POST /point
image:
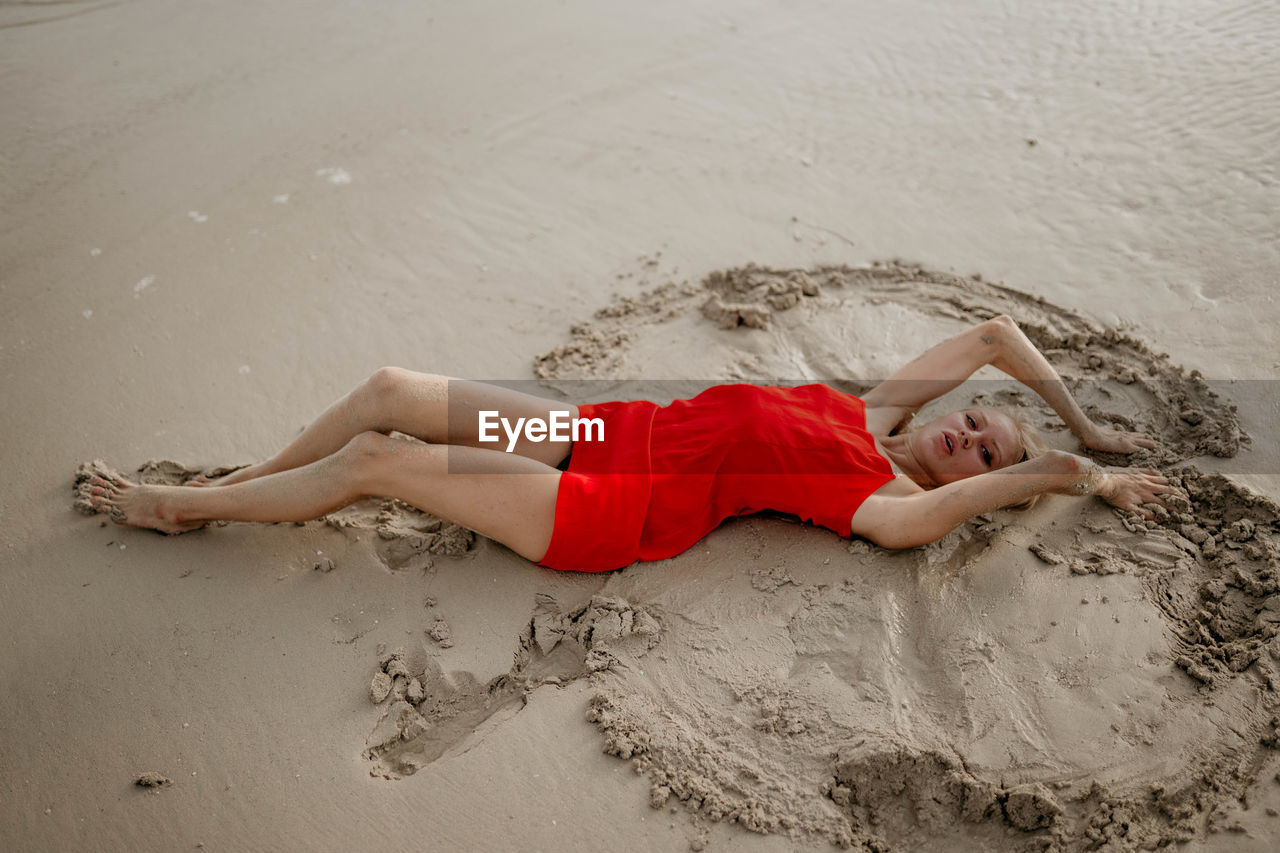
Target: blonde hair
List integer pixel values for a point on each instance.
(1033, 445)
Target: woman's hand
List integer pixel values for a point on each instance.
(1129, 488)
(1115, 441)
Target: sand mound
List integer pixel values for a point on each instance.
(407, 537)
(434, 713)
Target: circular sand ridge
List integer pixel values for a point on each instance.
(839, 739)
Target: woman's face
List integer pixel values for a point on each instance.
(966, 443)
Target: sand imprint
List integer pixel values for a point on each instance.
(434, 714)
(902, 705)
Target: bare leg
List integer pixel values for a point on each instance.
(436, 409)
(501, 495)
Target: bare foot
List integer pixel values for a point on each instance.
(129, 503)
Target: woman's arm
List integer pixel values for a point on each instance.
(1019, 358)
(905, 521)
(1000, 343)
(941, 368)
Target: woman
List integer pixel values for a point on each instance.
(664, 476)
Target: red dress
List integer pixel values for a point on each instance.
(666, 476)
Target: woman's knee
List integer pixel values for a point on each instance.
(372, 460)
(364, 452)
(387, 382)
(392, 398)
(397, 383)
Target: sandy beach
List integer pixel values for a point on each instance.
(215, 219)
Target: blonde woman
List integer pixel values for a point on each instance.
(645, 482)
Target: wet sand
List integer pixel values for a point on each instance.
(218, 218)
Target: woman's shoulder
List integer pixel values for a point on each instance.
(884, 511)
